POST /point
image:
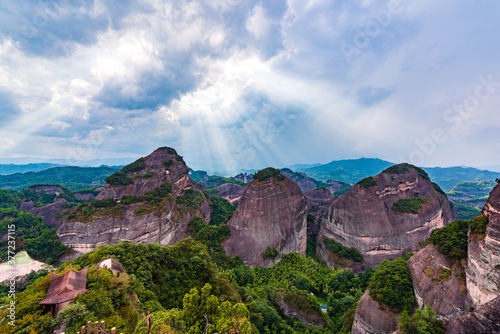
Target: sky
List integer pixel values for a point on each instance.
(248, 84)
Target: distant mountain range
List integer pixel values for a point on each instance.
(348, 171)
(7, 169)
(73, 178)
(351, 171)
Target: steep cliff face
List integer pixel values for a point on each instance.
(483, 261)
(231, 192)
(439, 282)
(484, 320)
(47, 212)
(492, 205)
(385, 216)
(154, 203)
(373, 317)
(302, 180)
(271, 213)
(318, 201)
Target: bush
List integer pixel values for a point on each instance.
(478, 225)
(103, 203)
(268, 173)
(409, 205)
(368, 182)
(270, 253)
(118, 179)
(345, 252)
(148, 175)
(156, 196)
(131, 199)
(422, 322)
(391, 284)
(451, 239)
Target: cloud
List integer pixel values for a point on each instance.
(368, 96)
(245, 84)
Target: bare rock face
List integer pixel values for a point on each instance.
(364, 216)
(439, 282)
(373, 317)
(244, 177)
(492, 205)
(318, 201)
(484, 320)
(302, 180)
(84, 197)
(231, 192)
(47, 212)
(150, 217)
(333, 185)
(483, 263)
(271, 213)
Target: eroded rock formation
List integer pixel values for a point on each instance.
(155, 214)
(439, 282)
(364, 217)
(47, 212)
(484, 320)
(271, 213)
(373, 317)
(231, 192)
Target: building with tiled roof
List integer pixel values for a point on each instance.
(64, 288)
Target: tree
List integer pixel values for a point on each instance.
(423, 322)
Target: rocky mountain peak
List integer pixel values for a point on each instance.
(149, 200)
(146, 174)
(386, 215)
(271, 216)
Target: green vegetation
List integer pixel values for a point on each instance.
(349, 171)
(344, 252)
(452, 239)
(423, 322)
(34, 236)
(132, 199)
(119, 179)
(405, 168)
(217, 181)
(212, 236)
(103, 203)
(466, 212)
(156, 196)
(191, 200)
(478, 225)
(198, 175)
(73, 178)
(222, 210)
(149, 175)
(409, 205)
(438, 189)
(135, 166)
(268, 173)
(472, 189)
(391, 284)
(450, 177)
(301, 176)
(368, 182)
(270, 253)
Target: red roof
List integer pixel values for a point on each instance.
(65, 287)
